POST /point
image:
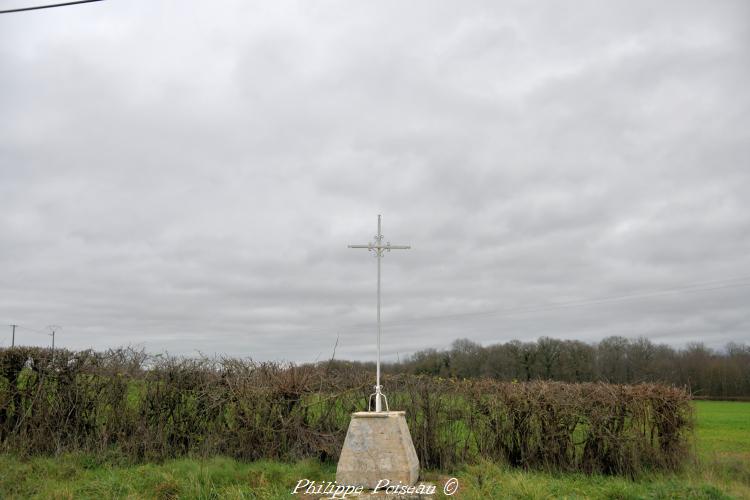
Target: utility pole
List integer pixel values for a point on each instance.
(13, 338)
(53, 328)
(378, 247)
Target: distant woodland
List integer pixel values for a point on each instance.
(720, 374)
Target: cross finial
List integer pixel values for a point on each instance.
(379, 248)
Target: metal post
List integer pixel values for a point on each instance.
(378, 406)
(379, 248)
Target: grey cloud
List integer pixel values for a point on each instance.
(188, 177)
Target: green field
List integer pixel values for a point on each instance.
(721, 470)
(723, 429)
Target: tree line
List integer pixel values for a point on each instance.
(706, 372)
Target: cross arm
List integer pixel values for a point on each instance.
(384, 247)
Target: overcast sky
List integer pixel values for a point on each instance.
(187, 175)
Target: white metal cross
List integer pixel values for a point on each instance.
(378, 247)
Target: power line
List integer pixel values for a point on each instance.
(696, 287)
(31, 329)
(22, 9)
(22, 327)
(564, 305)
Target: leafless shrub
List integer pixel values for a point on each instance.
(154, 407)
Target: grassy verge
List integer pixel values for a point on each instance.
(81, 476)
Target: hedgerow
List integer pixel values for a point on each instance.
(156, 407)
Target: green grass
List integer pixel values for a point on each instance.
(722, 470)
(496, 481)
(83, 476)
(723, 429)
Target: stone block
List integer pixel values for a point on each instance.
(378, 446)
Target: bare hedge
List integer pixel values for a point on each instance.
(155, 407)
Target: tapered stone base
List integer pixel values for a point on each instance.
(378, 447)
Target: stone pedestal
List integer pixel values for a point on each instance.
(378, 447)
